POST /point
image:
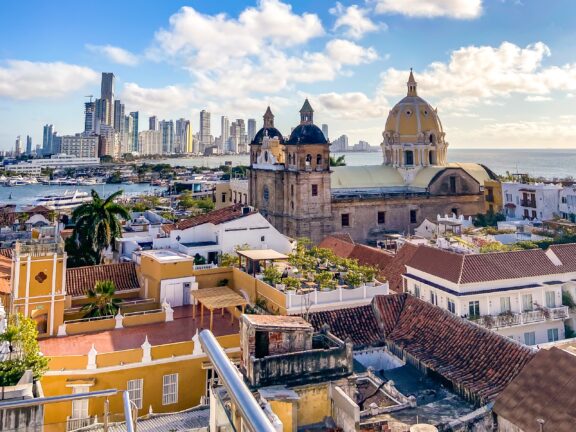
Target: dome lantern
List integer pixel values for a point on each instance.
(412, 84)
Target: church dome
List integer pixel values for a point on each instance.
(307, 134)
(413, 119)
(271, 132)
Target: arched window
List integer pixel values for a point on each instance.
(292, 205)
(291, 190)
(308, 159)
(318, 160)
(432, 139)
(266, 156)
(431, 157)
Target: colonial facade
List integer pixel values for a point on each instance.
(293, 185)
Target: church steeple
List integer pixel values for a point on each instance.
(411, 85)
(268, 118)
(306, 113)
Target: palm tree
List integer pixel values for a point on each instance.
(98, 223)
(102, 301)
(339, 161)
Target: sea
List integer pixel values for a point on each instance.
(550, 164)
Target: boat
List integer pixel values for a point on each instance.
(16, 182)
(67, 200)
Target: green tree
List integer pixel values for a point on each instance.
(339, 161)
(102, 300)
(97, 224)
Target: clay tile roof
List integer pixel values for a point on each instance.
(476, 360)
(80, 279)
(5, 273)
(370, 256)
(288, 322)
(394, 270)
(215, 217)
(338, 244)
(357, 324)
(546, 389)
(6, 252)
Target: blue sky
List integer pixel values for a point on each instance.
(502, 73)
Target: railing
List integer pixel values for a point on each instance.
(528, 203)
(81, 320)
(146, 312)
(73, 424)
(204, 266)
(122, 305)
(528, 317)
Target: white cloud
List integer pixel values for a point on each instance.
(161, 101)
(459, 9)
(22, 80)
(115, 54)
(352, 105)
(484, 73)
(346, 52)
(355, 20)
(208, 41)
(537, 98)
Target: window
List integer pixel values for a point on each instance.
(262, 238)
(534, 215)
(550, 299)
(170, 389)
(451, 306)
(135, 391)
(345, 219)
(308, 160)
(455, 211)
(505, 304)
(223, 197)
(314, 190)
(530, 338)
(412, 216)
(409, 157)
(265, 193)
(452, 184)
(80, 406)
(508, 197)
(318, 160)
(417, 291)
(433, 298)
(564, 200)
(527, 303)
(291, 190)
(381, 217)
(552, 335)
(474, 308)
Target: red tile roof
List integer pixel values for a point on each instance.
(394, 270)
(80, 279)
(546, 389)
(478, 362)
(340, 246)
(215, 217)
(5, 273)
(472, 268)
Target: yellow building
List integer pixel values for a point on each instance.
(493, 196)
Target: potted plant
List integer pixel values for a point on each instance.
(325, 281)
(353, 278)
(272, 275)
(291, 283)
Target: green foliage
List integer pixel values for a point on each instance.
(186, 201)
(488, 219)
(199, 259)
(106, 159)
(494, 247)
(353, 278)
(115, 178)
(228, 260)
(291, 282)
(223, 282)
(24, 353)
(97, 225)
(325, 279)
(272, 275)
(569, 332)
(568, 300)
(102, 301)
(339, 161)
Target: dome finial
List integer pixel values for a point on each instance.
(411, 85)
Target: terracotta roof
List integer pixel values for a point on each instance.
(80, 279)
(357, 324)
(394, 270)
(472, 268)
(546, 389)
(341, 247)
(6, 252)
(288, 322)
(478, 362)
(5, 273)
(215, 217)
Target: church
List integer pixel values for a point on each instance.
(293, 185)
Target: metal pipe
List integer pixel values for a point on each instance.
(128, 412)
(55, 399)
(252, 415)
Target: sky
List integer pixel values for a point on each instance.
(502, 73)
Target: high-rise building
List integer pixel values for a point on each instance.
(56, 143)
(18, 146)
(28, 145)
(189, 141)
(107, 95)
(134, 131)
(167, 130)
(205, 138)
(241, 146)
(109, 141)
(150, 142)
(80, 145)
(236, 133)
(325, 130)
(90, 123)
(153, 123)
(251, 129)
(47, 140)
(340, 144)
(224, 134)
(119, 117)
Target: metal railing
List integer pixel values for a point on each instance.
(520, 318)
(146, 312)
(80, 320)
(73, 424)
(528, 203)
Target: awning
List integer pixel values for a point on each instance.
(262, 254)
(216, 298)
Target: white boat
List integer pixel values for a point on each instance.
(67, 200)
(18, 181)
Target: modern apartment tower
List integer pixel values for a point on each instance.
(251, 129)
(153, 123)
(325, 130)
(28, 145)
(134, 131)
(47, 140)
(119, 123)
(167, 130)
(107, 98)
(18, 146)
(224, 134)
(205, 138)
(90, 123)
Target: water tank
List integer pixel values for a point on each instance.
(421, 427)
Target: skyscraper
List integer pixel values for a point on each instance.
(251, 129)
(325, 130)
(153, 123)
(242, 138)
(47, 137)
(28, 145)
(224, 134)
(119, 117)
(204, 130)
(18, 146)
(167, 129)
(134, 131)
(107, 95)
(89, 117)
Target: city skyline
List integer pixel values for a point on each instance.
(497, 75)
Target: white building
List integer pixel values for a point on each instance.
(150, 142)
(567, 206)
(33, 166)
(84, 146)
(531, 201)
(517, 294)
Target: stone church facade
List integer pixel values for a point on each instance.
(293, 185)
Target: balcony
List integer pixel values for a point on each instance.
(528, 203)
(511, 319)
(73, 424)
